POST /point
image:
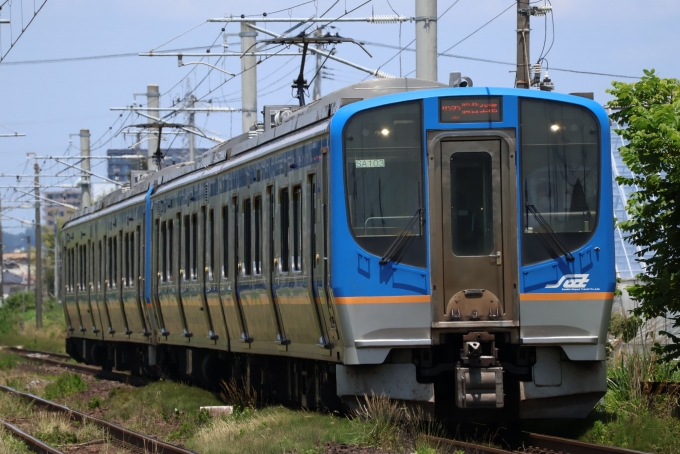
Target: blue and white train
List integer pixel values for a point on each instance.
(449, 247)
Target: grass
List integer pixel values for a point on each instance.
(627, 417)
(8, 360)
(17, 328)
(66, 384)
(57, 429)
(167, 409)
(11, 445)
(272, 430)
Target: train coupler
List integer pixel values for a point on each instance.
(479, 380)
(478, 387)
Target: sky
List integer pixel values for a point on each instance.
(49, 102)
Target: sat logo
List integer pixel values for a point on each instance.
(569, 281)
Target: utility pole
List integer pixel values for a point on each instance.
(28, 257)
(192, 124)
(2, 258)
(248, 77)
(38, 251)
(316, 94)
(56, 261)
(152, 98)
(85, 187)
(522, 75)
(426, 39)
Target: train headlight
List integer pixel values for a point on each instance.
(555, 128)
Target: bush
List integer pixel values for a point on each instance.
(239, 395)
(67, 383)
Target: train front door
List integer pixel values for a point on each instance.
(472, 230)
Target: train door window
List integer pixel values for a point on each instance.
(93, 265)
(272, 225)
(110, 262)
(257, 229)
(115, 261)
(186, 257)
(312, 215)
(247, 238)
(194, 246)
(131, 273)
(297, 228)
(225, 241)
(100, 268)
(284, 213)
(211, 244)
(163, 251)
(237, 252)
(126, 259)
(171, 247)
(138, 266)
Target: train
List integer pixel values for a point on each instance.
(450, 248)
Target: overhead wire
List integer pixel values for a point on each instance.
(487, 23)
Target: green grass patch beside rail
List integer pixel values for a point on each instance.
(17, 327)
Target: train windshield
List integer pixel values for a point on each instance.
(560, 186)
(384, 180)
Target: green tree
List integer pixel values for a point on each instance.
(650, 112)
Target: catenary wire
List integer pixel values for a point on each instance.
(487, 23)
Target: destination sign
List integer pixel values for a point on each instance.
(476, 109)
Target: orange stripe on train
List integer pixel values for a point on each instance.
(566, 296)
(382, 299)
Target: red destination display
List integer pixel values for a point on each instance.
(476, 109)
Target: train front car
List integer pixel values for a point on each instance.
(472, 258)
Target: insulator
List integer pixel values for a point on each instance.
(387, 19)
(381, 75)
(541, 10)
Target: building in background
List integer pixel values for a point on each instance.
(119, 169)
(627, 264)
(53, 211)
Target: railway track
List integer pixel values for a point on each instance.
(532, 443)
(62, 361)
(125, 438)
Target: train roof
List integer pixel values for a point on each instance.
(297, 119)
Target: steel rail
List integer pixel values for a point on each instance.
(122, 434)
(33, 443)
(94, 371)
(547, 443)
(467, 447)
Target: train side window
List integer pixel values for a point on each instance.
(297, 228)
(194, 246)
(186, 257)
(211, 244)
(284, 208)
(247, 238)
(257, 219)
(163, 251)
(171, 247)
(225, 241)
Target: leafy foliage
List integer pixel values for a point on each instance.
(650, 109)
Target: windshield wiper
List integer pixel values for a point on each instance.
(396, 244)
(546, 226)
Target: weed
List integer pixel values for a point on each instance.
(238, 394)
(380, 418)
(94, 403)
(67, 383)
(10, 445)
(8, 361)
(58, 437)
